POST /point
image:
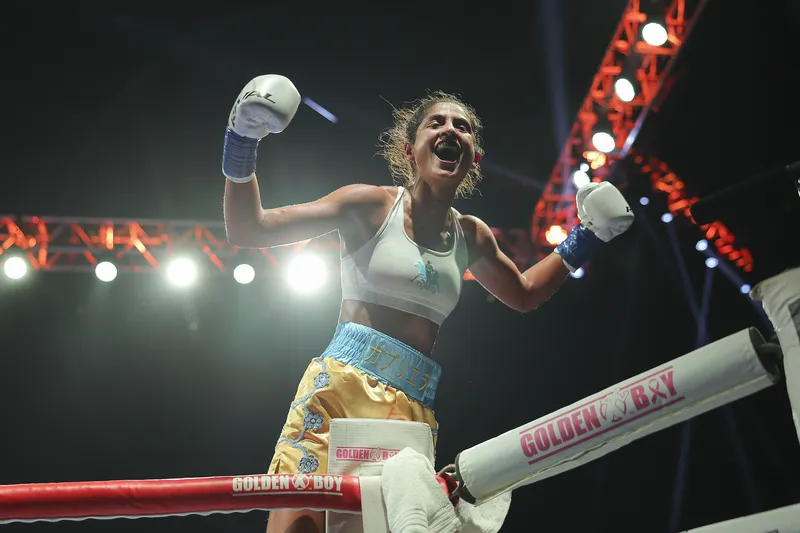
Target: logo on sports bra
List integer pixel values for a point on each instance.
(427, 278)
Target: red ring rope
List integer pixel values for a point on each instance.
(174, 497)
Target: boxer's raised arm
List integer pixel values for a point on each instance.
(267, 105)
(247, 224)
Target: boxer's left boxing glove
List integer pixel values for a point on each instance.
(267, 104)
(604, 214)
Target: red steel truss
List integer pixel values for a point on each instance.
(663, 179)
(651, 64)
(555, 213)
(79, 244)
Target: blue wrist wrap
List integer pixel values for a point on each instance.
(579, 246)
(238, 155)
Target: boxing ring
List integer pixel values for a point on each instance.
(355, 490)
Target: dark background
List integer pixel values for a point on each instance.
(119, 110)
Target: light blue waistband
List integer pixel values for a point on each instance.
(386, 359)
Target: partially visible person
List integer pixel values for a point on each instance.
(404, 252)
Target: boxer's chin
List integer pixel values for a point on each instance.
(446, 175)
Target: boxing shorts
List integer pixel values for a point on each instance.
(361, 374)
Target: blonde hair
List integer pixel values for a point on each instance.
(406, 121)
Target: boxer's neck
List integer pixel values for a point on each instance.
(431, 205)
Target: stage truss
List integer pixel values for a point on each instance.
(58, 244)
(664, 180)
(650, 66)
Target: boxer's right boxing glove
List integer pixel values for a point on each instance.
(266, 105)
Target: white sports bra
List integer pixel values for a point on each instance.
(393, 271)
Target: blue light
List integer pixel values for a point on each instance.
(666, 218)
(701, 245)
(319, 109)
(744, 289)
(578, 273)
(644, 200)
(712, 262)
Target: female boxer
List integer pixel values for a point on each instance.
(404, 253)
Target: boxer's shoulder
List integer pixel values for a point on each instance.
(360, 195)
(473, 227)
(478, 236)
(364, 203)
(365, 207)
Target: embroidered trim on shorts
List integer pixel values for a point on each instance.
(311, 421)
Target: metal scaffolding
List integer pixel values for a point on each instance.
(648, 67)
(664, 180)
(79, 244)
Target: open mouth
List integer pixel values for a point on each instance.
(447, 151)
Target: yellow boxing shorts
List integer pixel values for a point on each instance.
(361, 374)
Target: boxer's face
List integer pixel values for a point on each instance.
(444, 148)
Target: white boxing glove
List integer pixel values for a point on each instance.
(267, 104)
(604, 214)
(603, 209)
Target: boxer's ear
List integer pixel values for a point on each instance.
(408, 150)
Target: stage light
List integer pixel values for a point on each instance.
(580, 178)
(306, 273)
(654, 34)
(603, 141)
(105, 271)
(712, 262)
(592, 159)
(182, 272)
(666, 218)
(555, 235)
(701, 245)
(321, 110)
(624, 90)
(578, 273)
(15, 267)
(644, 200)
(744, 289)
(244, 274)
